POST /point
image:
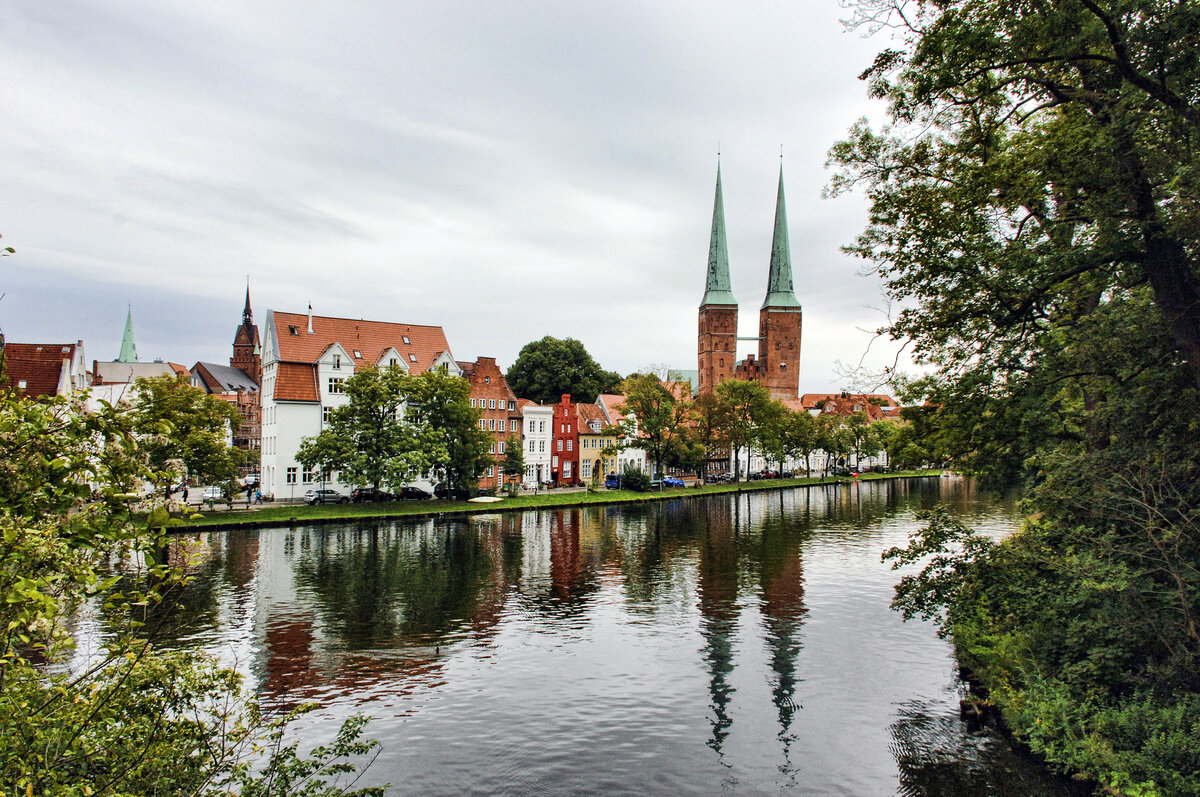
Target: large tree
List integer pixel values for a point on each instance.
(548, 368)
(747, 410)
(181, 425)
(1034, 210)
(449, 433)
(652, 420)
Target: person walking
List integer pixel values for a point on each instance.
(185, 495)
(258, 496)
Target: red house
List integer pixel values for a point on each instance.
(564, 458)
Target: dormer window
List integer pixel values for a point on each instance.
(406, 340)
(337, 361)
(412, 358)
(357, 354)
(293, 329)
(393, 361)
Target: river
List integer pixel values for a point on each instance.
(737, 643)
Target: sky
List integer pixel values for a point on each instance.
(503, 170)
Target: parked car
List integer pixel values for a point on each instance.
(612, 481)
(444, 491)
(410, 493)
(671, 481)
(363, 494)
(325, 496)
(213, 493)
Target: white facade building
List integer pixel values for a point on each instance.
(613, 406)
(537, 432)
(305, 358)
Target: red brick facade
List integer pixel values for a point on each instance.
(717, 345)
(564, 455)
(499, 415)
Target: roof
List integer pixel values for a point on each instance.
(589, 413)
(121, 373)
(296, 382)
(717, 288)
(370, 339)
(779, 281)
(613, 404)
(218, 378)
(39, 365)
(811, 400)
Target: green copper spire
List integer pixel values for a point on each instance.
(716, 288)
(779, 283)
(128, 350)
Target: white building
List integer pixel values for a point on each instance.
(305, 359)
(537, 432)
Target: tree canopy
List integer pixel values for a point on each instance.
(547, 368)
(180, 424)
(1034, 212)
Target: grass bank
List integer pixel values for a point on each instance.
(291, 514)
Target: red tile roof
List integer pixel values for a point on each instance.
(298, 353)
(38, 365)
(587, 414)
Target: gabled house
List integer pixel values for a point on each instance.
(537, 423)
(594, 437)
(37, 370)
(564, 457)
(613, 407)
(499, 415)
(305, 360)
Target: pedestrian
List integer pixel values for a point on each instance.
(185, 496)
(258, 496)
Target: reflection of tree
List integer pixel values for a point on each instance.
(379, 586)
(717, 588)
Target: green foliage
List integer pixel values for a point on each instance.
(128, 719)
(1034, 211)
(632, 478)
(439, 405)
(747, 409)
(548, 368)
(653, 420)
(178, 424)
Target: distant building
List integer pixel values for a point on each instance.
(777, 366)
(597, 443)
(613, 406)
(113, 381)
(43, 370)
(564, 457)
(305, 360)
(538, 438)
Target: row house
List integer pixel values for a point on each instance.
(564, 456)
(538, 439)
(37, 370)
(499, 415)
(597, 443)
(305, 360)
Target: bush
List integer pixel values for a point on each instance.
(634, 479)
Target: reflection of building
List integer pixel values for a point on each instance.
(779, 319)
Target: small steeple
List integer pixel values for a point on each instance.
(716, 288)
(128, 350)
(779, 284)
(247, 313)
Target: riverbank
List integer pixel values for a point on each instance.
(258, 516)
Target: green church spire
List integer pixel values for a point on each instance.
(128, 350)
(716, 288)
(779, 283)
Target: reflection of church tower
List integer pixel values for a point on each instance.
(718, 308)
(247, 350)
(783, 614)
(717, 587)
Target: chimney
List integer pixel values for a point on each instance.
(310, 318)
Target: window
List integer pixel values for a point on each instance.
(532, 426)
(491, 471)
(501, 425)
(293, 330)
(357, 354)
(570, 445)
(412, 358)
(566, 470)
(492, 450)
(405, 338)
(585, 469)
(560, 445)
(512, 406)
(501, 446)
(472, 402)
(308, 475)
(337, 361)
(530, 446)
(491, 404)
(335, 384)
(541, 426)
(541, 446)
(482, 423)
(291, 472)
(325, 413)
(392, 361)
(21, 384)
(487, 380)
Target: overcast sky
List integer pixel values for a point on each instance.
(504, 170)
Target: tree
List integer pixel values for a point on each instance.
(711, 420)
(747, 406)
(547, 369)
(448, 429)
(514, 459)
(652, 419)
(1033, 209)
(135, 720)
(181, 425)
(799, 436)
(370, 440)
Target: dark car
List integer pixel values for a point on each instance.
(325, 497)
(409, 493)
(612, 482)
(364, 494)
(444, 491)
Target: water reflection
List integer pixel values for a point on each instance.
(741, 643)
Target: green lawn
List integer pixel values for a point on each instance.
(270, 515)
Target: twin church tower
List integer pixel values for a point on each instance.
(779, 319)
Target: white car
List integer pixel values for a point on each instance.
(213, 493)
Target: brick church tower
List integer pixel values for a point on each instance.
(718, 309)
(780, 318)
(247, 348)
